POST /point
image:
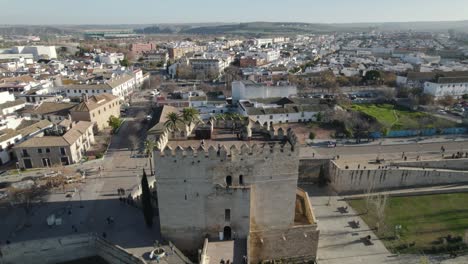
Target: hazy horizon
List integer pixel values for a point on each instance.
(122, 12)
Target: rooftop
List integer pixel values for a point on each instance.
(11, 104)
(94, 102)
(51, 108)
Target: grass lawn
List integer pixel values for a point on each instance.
(424, 220)
(397, 118)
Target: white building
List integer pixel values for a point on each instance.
(110, 58)
(208, 66)
(263, 42)
(244, 90)
(120, 86)
(280, 110)
(6, 97)
(38, 52)
(453, 86)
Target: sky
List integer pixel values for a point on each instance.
(44, 12)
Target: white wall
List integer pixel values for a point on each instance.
(6, 97)
(240, 91)
(443, 89)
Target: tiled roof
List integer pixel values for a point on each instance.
(119, 80)
(70, 137)
(11, 104)
(94, 102)
(54, 141)
(51, 107)
(102, 86)
(453, 80)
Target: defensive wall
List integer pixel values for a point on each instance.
(392, 177)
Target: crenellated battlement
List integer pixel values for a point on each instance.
(231, 152)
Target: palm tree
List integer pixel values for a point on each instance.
(149, 148)
(190, 115)
(172, 120)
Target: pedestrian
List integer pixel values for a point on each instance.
(313, 154)
(406, 158)
(104, 235)
(244, 259)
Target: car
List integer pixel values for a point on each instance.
(331, 144)
(441, 112)
(149, 117)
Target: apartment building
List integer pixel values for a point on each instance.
(97, 109)
(25, 130)
(50, 151)
(120, 86)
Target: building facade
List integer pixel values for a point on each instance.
(447, 86)
(47, 151)
(244, 90)
(97, 109)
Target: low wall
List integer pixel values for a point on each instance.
(359, 181)
(449, 164)
(309, 169)
(63, 249)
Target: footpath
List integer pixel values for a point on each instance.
(388, 141)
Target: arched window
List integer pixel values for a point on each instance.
(241, 179)
(228, 180)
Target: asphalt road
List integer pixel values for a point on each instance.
(435, 147)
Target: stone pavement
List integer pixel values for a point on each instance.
(340, 242)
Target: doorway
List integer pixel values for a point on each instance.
(227, 233)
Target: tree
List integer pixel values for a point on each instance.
(146, 201)
(372, 75)
(319, 117)
(149, 148)
(190, 115)
(311, 135)
(124, 63)
(426, 99)
(114, 122)
(184, 72)
(447, 100)
(133, 142)
(322, 178)
(172, 121)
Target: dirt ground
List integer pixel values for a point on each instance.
(102, 140)
(302, 131)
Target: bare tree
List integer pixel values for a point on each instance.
(380, 204)
(133, 142)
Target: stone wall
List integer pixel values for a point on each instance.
(299, 243)
(358, 181)
(62, 249)
(449, 164)
(256, 183)
(309, 169)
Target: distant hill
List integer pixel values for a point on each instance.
(154, 30)
(33, 30)
(265, 28)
